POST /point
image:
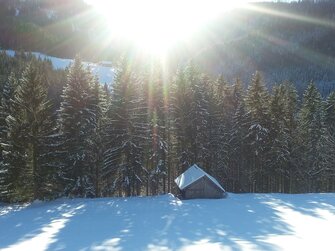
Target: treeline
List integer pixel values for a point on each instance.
(89, 141)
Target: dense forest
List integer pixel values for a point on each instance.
(65, 134)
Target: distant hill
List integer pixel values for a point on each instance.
(284, 41)
(59, 28)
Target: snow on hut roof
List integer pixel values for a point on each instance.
(193, 174)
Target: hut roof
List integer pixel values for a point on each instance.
(193, 174)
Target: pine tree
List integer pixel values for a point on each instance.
(257, 100)
(240, 150)
(29, 123)
(182, 128)
(328, 155)
(5, 108)
(290, 110)
(97, 140)
(330, 113)
(200, 116)
(282, 127)
(236, 120)
(157, 147)
(126, 132)
(218, 128)
(311, 131)
(77, 121)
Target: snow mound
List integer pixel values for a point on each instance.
(242, 222)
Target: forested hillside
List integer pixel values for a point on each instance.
(70, 136)
(284, 41)
(59, 28)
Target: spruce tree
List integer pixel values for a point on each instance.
(217, 129)
(182, 127)
(328, 156)
(240, 150)
(157, 145)
(330, 113)
(77, 122)
(237, 171)
(280, 137)
(97, 140)
(311, 131)
(29, 123)
(199, 115)
(5, 109)
(290, 110)
(126, 135)
(257, 104)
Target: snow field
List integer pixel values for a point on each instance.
(240, 222)
(105, 73)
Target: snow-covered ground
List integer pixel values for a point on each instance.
(240, 222)
(105, 73)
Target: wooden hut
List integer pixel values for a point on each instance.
(196, 183)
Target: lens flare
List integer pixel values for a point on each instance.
(157, 25)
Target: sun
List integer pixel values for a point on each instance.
(155, 26)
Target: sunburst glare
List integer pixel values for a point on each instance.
(155, 26)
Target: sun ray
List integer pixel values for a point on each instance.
(322, 22)
(301, 52)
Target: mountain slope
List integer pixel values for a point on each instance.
(284, 41)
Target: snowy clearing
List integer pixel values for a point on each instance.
(105, 73)
(240, 222)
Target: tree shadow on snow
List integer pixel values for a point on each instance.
(36, 225)
(158, 223)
